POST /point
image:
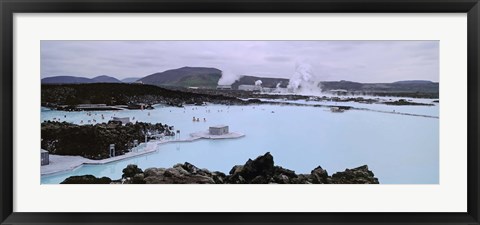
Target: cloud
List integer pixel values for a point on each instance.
(362, 61)
(278, 58)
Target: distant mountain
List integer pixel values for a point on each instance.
(185, 77)
(79, 80)
(66, 80)
(205, 77)
(266, 81)
(105, 79)
(130, 79)
(413, 82)
(399, 86)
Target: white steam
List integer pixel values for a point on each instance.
(228, 78)
(303, 81)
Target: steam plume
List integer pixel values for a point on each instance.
(228, 78)
(303, 80)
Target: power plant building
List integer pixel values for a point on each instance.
(246, 87)
(224, 87)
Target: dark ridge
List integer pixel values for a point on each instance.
(185, 77)
(261, 170)
(124, 94)
(79, 80)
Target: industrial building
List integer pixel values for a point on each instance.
(246, 87)
(224, 87)
(338, 92)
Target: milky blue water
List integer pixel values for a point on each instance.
(399, 149)
(411, 109)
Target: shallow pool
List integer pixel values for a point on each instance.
(399, 149)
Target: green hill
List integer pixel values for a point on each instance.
(185, 77)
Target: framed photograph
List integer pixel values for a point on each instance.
(231, 112)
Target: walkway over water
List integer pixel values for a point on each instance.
(59, 163)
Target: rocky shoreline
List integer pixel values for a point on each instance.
(69, 97)
(258, 171)
(93, 141)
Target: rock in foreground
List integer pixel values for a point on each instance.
(87, 179)
(259, 171)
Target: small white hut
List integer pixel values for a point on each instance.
(124, 120)
(44, 157)
(218, 130)
(336, 109)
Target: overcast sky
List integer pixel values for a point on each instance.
(361, 61)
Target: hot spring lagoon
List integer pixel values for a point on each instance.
(399, 149)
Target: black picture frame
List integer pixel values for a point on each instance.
(9, 7)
